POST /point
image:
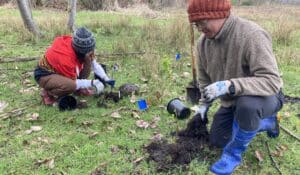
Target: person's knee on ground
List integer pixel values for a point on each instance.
(57, 85)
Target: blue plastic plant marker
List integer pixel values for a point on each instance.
(142, 104)
(178, 56)
(115, 67)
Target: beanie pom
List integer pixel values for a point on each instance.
(83, 40)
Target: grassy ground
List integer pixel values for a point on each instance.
(80, 141)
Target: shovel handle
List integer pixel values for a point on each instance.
(193, 54)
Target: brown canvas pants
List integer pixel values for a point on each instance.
(57, 85)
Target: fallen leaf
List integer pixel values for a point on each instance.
(27, 81)
(114, 149)
(70, 120)
(287, 114)
(283, 147)
(44, 140)
(3, 105)
(29, 131)
(132, 151)
(186, 75)
(153, 125)
(154, 122)
(49, 162)
(32, 117)
(132, 98)
(36, 128)
(182, 98)
(158, 95)
(144, 80)
(87, 123)
(162, 106)
(93, 134)
(110, 128)
(157, 137)
(132, 132)
(115, 115)
(99, 143)
(156, 119)
(138, 160)
(12, 85)
(98, 170)
(82, 104)
(135, 115)
(259, 155)
(142, 124)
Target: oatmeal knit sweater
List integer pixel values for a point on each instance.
(242, 53)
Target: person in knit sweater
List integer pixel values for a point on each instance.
(235, 64)
(66, 65)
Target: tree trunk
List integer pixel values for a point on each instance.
(72, 14)
(27, 17)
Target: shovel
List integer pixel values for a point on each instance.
(193, 94)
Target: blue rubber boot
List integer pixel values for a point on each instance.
(270, 124)
(232, 153)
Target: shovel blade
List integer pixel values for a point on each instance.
(193, 94)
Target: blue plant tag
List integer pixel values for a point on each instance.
(115, 67)
(177, 56)
(142, 104)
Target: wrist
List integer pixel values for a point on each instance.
(231, 89)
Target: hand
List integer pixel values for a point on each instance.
(99, 87)
(216, 90)
(89, 57)
(202, 111)
(111, 82)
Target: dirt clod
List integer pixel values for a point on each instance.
(189, 145)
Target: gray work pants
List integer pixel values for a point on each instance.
(248, 112)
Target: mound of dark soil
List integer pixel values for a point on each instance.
(189, 145)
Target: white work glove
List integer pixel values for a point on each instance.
(99, 71)
(98, 86)
(202, 111)
(216, 90)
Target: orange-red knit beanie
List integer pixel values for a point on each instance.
(208, 9)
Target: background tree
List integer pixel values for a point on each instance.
(72, 14)
(26, 14)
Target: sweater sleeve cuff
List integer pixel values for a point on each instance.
(237, 86)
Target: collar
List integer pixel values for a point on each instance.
(227, 26)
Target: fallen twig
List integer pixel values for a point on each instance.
(14, 69)
(290, 133)
(104, 55)
(272, 159)
(8, 114)
(120, 109)
(10, 60)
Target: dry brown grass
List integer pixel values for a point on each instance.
(280, 21)
(283, 23)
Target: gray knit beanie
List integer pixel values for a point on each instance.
(83, 41)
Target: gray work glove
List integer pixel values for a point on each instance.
(98, 86)
(216, 90)
(202, 111)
